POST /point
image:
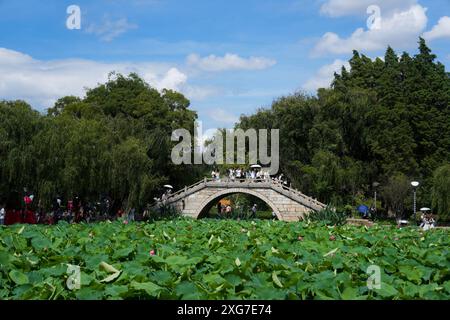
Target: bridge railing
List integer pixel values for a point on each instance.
(187, 188)
(227, 182)
(264, 183)
(305, 198)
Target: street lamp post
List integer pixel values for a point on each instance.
(375, 185)
(415, 184)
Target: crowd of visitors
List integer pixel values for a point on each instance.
(226, 211)
(240, 174)
(428, 221)
(72, 211)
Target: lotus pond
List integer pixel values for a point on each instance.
(225, 259)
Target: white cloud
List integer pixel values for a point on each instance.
(110, 29)
(200, 92)
(339, 8)
(399, 29)
(228, 62)
(441, 30)
(42, 82)
(325, 75)
(172, 79)
(221, 115)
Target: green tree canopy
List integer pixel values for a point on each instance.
(441, 191)
(381, 120)
(115, 141)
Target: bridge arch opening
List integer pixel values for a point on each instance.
(210, 204)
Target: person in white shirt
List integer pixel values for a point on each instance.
(428, 222)
(231, 175)
(2, 215)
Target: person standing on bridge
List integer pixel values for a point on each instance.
(267, 176)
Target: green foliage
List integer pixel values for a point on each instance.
(329, 216)
(222, 259)
(441, 191)
(17, 164)
(395, 193)
(379, 119)
(114, 141)
(163, 213)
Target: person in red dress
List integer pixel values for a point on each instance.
(29, 217)
(8, 217)
(16, 216)
(70, 206)
(28, 200)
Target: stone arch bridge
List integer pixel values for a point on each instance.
(288, 204)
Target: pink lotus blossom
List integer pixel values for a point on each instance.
(125, 221)
(152, 252)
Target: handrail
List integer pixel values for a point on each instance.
(185, 188)
(302, 195)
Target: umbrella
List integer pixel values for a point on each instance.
(425, 209)
(256, 166)
(168, 186)
(363, 209)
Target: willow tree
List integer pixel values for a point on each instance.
(441, 191)
(19, 123)
(114, 142)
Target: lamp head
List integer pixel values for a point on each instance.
(415, 184)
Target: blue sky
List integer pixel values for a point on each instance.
(228, 57)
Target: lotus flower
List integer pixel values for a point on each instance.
(332, 238)
(300, 238)
(125, 221)
(152, 252)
